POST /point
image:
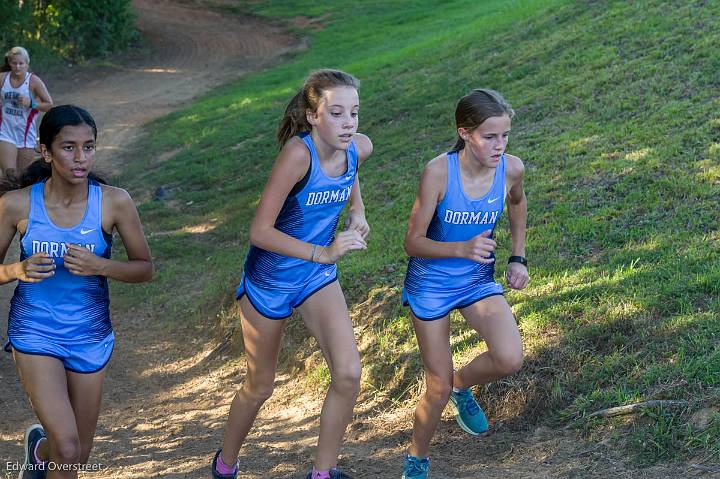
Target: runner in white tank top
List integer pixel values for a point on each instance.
(18, 122)
(23, 96)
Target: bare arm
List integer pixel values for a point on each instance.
(43, 101)
(356, 216)
(517, 205)
(517, 274)
(7, 233)
(122, 215)
(14, 207)
(430, 192)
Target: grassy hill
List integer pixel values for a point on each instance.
(617, 121)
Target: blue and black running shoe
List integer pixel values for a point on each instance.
(32, 469)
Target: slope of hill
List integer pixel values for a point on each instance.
(617, 121)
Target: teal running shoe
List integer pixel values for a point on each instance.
(32, 469)
(470, 416)
(415, 468)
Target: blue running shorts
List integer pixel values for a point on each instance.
(277, 304)
(430, 305)
(82, 358)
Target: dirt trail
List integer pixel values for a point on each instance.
(193, 51)
(167, 395)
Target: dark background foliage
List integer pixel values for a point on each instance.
(69, 30)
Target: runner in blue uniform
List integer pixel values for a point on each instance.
(450, 240)
(291, 262)
(59, 327)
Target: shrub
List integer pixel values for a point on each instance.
(67, 29)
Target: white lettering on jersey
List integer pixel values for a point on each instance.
(329, 196)
(471, 217)
(55, 249)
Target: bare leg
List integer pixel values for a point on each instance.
(261, 337)
(434, 342)
(85, 396)
(494, 321)
(46, 383)
(8, 160)
(326, 315)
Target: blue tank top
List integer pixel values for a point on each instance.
(458, 218)
(63, 307)
(310, 214)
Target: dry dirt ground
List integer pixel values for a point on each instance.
(167, 393)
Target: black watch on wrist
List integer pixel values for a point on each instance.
(518, 259)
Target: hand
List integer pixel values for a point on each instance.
(82, 262)
(517, 276)
(479, 248)
(36, 268)
(356, 221)
(345, 241)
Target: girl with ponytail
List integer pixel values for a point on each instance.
(462, 194)
(291, 262)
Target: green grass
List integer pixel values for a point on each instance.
(617, 122)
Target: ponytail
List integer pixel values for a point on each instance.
(459, 144)
(294, 120)
(7, 185)
(39, 170)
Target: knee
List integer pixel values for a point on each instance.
(259, 389)
(67, 450)
(346, 380)
(509, 363)
(439, 389)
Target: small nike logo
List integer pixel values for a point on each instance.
(348, 177)
(327, 273)
(493, 200)
(83, 231)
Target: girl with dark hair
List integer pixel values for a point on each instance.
(23, 97)
(450, 240)
(291, 262)
(59, 328)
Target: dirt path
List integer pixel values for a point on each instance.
(192, 51)
(167, 395)
(189, 52)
